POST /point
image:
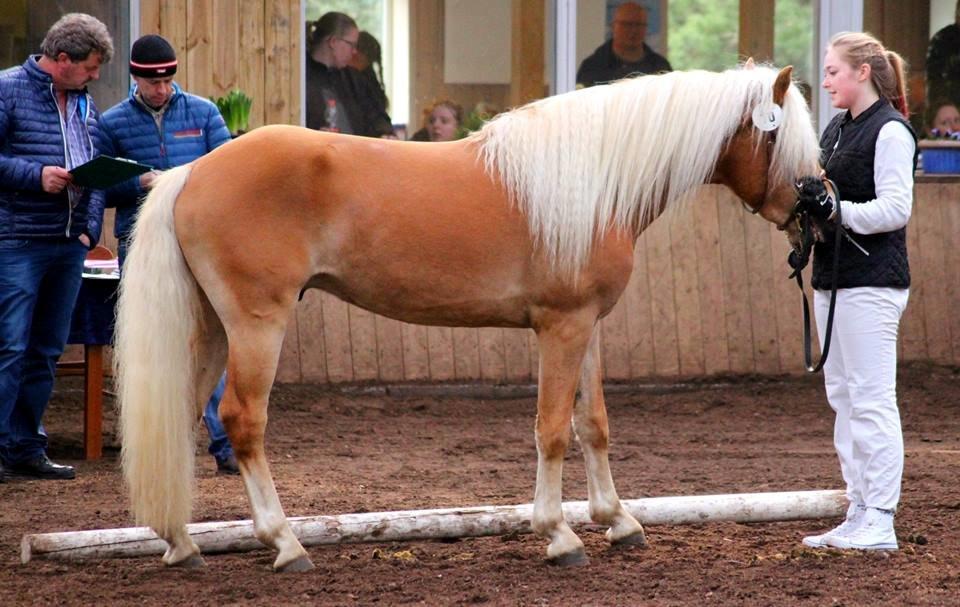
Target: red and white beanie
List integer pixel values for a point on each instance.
(152, 57)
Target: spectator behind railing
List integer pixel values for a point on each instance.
(338, 97)
(443, 122)
(626, 54)
(942, 118)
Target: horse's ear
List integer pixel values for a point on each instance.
(781, 84)
(749, 64)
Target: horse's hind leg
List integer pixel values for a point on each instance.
(254, 351)
(211, 356)
(591, 427)
(562, 345)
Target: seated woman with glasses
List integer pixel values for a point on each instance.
(338, 99)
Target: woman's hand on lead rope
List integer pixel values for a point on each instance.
(813, 198)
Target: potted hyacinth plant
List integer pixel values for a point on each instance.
(940, 152)
(235, 109)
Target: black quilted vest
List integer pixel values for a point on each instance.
(846, 152)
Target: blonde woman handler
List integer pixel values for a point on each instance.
(869, 151)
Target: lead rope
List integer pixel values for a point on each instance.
(806, 248)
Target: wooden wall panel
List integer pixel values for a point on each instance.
(706, 226)
(666, 356)
(950, 215)
(686, 281)
(763, 318)
(466, 353)
(288, 369)
(312, 352)
(440, 348)
(932, 270)
(615, 343)
(517, 354)
(640, 314)
(787, 302)
(416, 357)
(736, 303)
(913, 341)
(250, 74)
(281, 78)
(336, 338)
(493, 364)
(389, 349)
(363, 344)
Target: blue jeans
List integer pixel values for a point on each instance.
(39, 282)
(219, 443)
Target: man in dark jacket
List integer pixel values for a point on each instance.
(626, 54)
(48, 126)
(163, 126)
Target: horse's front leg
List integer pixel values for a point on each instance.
(562, 345)
(252, 364)
(592, 429)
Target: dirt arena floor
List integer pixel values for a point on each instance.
(350, 451)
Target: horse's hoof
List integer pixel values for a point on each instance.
(571, 559)
(301, 563)
(194, 561)
(634, 539)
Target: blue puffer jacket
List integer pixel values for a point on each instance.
(30, 139)
(190, 127)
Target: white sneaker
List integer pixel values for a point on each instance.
(849, 525)
(874, 533)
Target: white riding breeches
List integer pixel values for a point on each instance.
(860, 377)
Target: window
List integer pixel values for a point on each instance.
(24, 23)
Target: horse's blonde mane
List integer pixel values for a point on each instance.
(615, 156)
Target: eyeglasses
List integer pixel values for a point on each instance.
(631, 24)
(353, 45)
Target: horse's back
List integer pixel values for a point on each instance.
(415, 231)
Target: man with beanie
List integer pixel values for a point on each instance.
(48, 126)
(163, 126)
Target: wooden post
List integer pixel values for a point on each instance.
(412, 525)
(756, 30)
(93, 401)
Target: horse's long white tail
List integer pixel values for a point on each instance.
(157, 318)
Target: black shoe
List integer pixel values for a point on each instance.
(3, 474)
(42, 468)
(228, 465)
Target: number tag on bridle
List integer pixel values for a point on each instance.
(767, 117)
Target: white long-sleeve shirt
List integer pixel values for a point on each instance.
(893, 178)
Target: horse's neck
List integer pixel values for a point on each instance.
(642, 220)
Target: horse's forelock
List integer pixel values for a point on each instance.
(615, 156)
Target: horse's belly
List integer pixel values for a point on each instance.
(432, 300)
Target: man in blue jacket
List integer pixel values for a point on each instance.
(162, 126)
(48, 126)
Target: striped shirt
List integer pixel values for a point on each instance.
(78, 147)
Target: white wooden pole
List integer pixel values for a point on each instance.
(237, 536)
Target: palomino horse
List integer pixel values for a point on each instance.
(530, 222)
